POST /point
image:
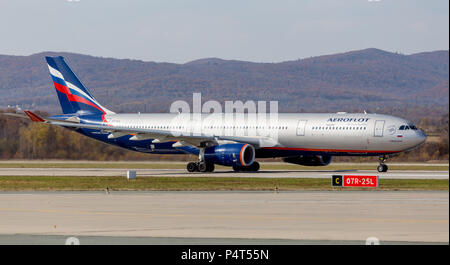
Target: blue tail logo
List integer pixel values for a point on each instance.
(73, 96)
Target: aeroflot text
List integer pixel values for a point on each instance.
(348, 119)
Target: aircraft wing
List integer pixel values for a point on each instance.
(183, 138)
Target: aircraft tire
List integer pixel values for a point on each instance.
(209, 167)
(202, 167)
(191, 167)
(254, 167)
(382, 168)
(237, 168)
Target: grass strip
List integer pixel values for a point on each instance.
(120, 183)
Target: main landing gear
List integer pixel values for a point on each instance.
(252, 168)
(203, 166)
(382, 167)
(209, 167)
(200, 166)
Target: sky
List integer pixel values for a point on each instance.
(179, 31)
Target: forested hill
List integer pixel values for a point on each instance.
(370, 79)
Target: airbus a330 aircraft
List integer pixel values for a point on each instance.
(303, 139)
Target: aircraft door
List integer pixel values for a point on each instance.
(379, 127)
(301, 127)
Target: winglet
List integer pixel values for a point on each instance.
(34, 117)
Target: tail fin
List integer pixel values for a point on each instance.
(73, 96)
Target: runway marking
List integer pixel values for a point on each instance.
(142, 214)
(363, 220)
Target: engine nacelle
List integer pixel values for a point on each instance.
(231, 154)
(308, 160)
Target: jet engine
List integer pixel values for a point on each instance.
(231, 154)
(317, 160)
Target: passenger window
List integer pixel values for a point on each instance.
(406, 127)
(402, 127)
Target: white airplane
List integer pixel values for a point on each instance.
(303, 139)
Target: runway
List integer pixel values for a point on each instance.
(222, 217)
(392, 174)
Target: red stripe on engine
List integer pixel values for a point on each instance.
(241, 155)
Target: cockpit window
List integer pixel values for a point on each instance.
(407, 127)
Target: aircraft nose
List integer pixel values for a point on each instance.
(422, 137)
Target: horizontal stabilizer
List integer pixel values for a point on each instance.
(19, 115)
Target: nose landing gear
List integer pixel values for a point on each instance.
(382, 167)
